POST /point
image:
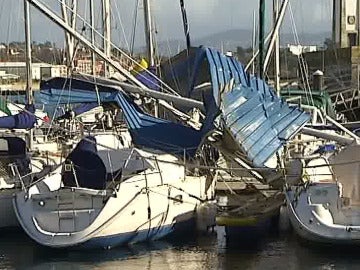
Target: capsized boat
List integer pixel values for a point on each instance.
(247, 208)
(323, 198)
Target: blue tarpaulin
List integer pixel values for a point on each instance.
(63, 90)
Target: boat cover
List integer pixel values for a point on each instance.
(89, 169)
(62, 90)
(24, 120)
(148, 77)
(157, 133)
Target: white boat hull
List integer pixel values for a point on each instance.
(313, 223)
(142, 208)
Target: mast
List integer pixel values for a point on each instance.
(186, 24)
(107, 32)
(91, 7)
(29, 94)
(253, 43)
(277, 49)
(69, 39)
(357, 22)
(138, 87)
(261, 37)
(150, 43)
(275, 32)
(149, 33)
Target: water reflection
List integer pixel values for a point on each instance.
(278, 251)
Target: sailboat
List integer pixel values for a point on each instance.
(150, 190)
(15, 161)
(323, 204)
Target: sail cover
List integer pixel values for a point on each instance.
(23, 120)
(157, 133)
(63, 90)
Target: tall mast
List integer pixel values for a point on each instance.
(148, 32)
(69, 39)
(261, 37)
(275, 33)
(29, 97)
(91, 7)
(277, 49)
(253, 43)
(29, 94)
(186, 24)
(150, 42)
(107, 32)
(357, 22)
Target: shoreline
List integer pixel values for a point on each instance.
(19, 86)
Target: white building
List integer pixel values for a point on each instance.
(345, 23)
(299, 49)
(39, 70)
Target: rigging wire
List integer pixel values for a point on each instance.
(133, 33)
(121, 25)
(302, 63)
(166, 86)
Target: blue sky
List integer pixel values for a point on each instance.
(205, 17)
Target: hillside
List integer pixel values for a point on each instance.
(229, 40)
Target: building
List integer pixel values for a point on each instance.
(299, 49)
(85, 66)
(8, 78)
(346, 23)
(39, 70)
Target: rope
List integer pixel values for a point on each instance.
(134, 27)
(304, 75)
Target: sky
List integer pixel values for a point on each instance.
(205, 17)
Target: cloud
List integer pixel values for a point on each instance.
(205, 17)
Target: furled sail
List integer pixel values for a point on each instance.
(23, 120)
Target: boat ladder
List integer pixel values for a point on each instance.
(66, 212)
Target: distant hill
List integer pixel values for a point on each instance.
(229, 40)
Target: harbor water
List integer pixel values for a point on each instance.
(205, 251)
